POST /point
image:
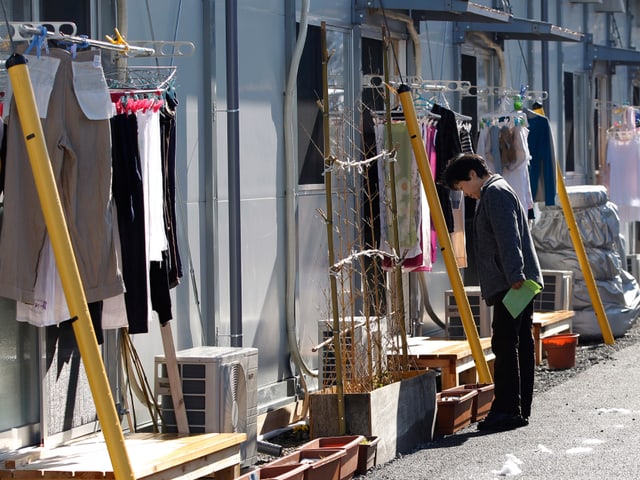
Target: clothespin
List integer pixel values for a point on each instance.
(39, 42)
(119, 40)
(73, 47)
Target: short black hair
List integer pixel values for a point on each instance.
(458, 168)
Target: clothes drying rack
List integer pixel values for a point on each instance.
(160, 77)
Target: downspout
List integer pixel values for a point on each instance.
(544, 11)
(531, 80)
(210, 166)
(233, 182)
(291, 172)
(122, 22)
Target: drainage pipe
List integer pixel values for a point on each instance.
(291, 170)
(544, 10)
(233, 163)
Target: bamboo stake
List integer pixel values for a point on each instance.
(396, 292)
(342, 426)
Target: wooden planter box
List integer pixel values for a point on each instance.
(349, 443)
(323, 463)
(401, 415)
(367, 453)
(454, 410)
(482, 402)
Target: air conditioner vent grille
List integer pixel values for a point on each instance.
(479, 309)
(557, 292)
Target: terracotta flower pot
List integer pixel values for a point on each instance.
(349, 443)
(561, 350)
(482, 402)
(277, 472)
(367, 453)
(454, 410)
(323, 463)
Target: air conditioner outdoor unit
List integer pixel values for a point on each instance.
(633, 265)
(219, 387)
(481, 314)
(557, 292)
(354, 335)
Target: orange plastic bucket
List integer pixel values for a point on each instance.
(561, 350)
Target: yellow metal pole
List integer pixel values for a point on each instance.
(404, 92)
(67, 266)
(583, 260)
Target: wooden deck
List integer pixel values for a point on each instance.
(550, 323)
(452, 357)
(152, 456)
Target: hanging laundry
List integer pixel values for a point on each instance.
(503, 143)
(489, 147)
(458, 235)
(542, 171)
(447, 146)
(623, 159)
(515, 168)
(413, 229)
(429, 132)
(168, 147)
(78, 140)
(128, 192)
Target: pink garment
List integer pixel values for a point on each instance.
(431, 155)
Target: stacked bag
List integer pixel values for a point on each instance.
(599, 226)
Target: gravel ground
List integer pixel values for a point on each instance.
(588, 354)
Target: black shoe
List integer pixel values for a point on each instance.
(500, 422)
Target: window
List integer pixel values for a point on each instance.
(310, 134)
(568, 123)
(76, 11)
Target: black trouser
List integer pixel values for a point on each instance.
(514, 366)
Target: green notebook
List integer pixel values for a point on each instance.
(516, 300)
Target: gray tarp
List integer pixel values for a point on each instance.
(599, 226)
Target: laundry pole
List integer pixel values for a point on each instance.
(583, 260)
(67, 266)
(419, 151)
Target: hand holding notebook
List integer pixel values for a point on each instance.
(516, 299)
